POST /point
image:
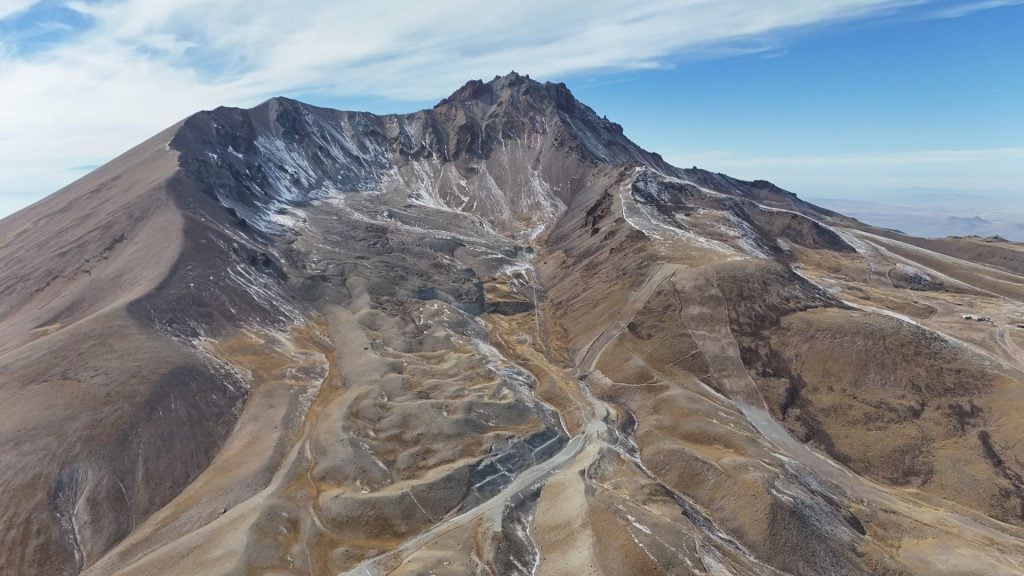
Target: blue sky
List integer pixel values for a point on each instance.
(892, 102)
(868, 107)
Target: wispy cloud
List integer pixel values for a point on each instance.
(132, 67)
(967, 8)
(11, 7)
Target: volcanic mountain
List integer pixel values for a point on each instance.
(494, 337)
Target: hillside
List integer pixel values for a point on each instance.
(492, 337)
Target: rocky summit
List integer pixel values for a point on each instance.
(495, 337)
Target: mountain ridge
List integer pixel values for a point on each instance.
(496, 337)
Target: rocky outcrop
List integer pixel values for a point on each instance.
(491, 337)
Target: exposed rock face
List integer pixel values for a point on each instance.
(492, 337)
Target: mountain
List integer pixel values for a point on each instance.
(492, 337)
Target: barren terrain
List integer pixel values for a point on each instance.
(494, 337)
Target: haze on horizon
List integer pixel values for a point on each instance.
(904, 113)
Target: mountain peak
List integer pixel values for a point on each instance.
(513, 85)
(244, 329)
(512, 77)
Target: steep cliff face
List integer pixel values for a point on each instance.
(491, 337)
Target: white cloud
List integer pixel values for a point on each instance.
(11, 7)
(145, 64)
(968, 8)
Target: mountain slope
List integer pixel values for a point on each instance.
(492, 337)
